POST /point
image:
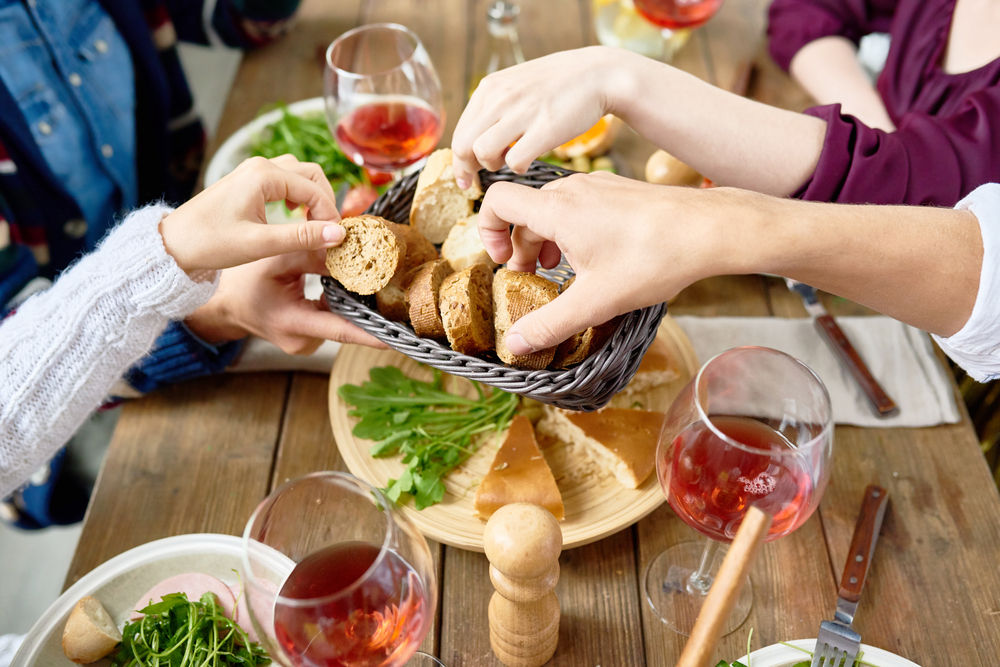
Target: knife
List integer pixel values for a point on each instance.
(880, 401)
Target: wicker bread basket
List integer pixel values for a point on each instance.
(587, 386)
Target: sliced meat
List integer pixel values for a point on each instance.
(194, 585)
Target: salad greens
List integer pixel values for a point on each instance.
(433, 429)
(176, 632)
(308, 138)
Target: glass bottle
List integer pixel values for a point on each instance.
(503, 46)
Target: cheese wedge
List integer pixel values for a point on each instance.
(519, 474)
(620, 440)
(657, 368)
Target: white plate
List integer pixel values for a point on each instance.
(119, 582)
(237, 147)
(779, 655)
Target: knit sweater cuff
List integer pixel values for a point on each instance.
(141, 259)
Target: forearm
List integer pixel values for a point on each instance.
(828, 69)
(730, 139)
(919, 265)
(63, 350)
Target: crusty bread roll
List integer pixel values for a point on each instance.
(581, 345)
(90, 633)
(466, 305)
(438, 202)
(620, 440)
(423, 285)
(391, 299)
(515, 294)
(369, 255)
(463, 247)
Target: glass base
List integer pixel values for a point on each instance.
(421, 659)
(668, 588)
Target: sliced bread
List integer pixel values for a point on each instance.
(438, 202)
(581, 345)
(463, 247)
(391, 299)
(515, 294)
(618, 439)
(519, 474)
(90, 632)
(422, 287)
(466, 305)
(367, 258)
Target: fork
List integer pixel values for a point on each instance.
(837, 642)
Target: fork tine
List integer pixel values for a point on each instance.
(819, 654)
(850, 658)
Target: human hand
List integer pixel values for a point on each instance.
(631, 244)
(265, 298)
(540, 104)
(225, 225)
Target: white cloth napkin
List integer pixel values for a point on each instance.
(900, 357)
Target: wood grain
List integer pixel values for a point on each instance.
(191, 458)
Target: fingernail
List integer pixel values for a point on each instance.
(334, 233)
(463, 184)
(517, 345)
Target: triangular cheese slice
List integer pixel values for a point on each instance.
(657, 368)
(620, 440)
(519, 474)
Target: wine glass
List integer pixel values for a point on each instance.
(673, 16)
(335, 576)
(754, 427)
(383, 97)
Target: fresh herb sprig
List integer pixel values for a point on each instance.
(308, 138)
(433, 429)
(177, 632)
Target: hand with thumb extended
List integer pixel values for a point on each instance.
(630, 243)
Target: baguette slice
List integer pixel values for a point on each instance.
(620, 440)
(519, 474)
(466, 305)
(657, 368)
(391, 299)
(438, 202)
(515, 294)
(423, 285)
(90, 632)
(463, 247)
(369, 255)
(581, 345)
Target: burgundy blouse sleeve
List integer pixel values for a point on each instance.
(927, 160)
(794, 23)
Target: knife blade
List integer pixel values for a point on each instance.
(877, 397)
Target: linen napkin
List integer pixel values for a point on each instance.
(900, 357)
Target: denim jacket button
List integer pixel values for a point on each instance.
(75, 80)
(75, 229)
(101, 46)
(44, 127)
(107, 150)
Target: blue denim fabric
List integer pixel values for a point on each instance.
(86, 132)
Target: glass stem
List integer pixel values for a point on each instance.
(701, 581)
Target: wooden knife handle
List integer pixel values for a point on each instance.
(880, 401)
(863, 543)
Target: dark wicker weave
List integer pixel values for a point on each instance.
(587, 386)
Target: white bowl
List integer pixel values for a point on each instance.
(779, 655)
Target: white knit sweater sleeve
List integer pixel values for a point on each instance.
(62, 350)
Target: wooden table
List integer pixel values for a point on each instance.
(199, 457)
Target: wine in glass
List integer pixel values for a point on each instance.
(677, 14)
(383, 97)
(335, 576)
(754, 427)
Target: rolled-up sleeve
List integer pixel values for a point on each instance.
(976, 347)
(792, 24)
(929, 160)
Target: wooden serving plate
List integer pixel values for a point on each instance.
(596, 504)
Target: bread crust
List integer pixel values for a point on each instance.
(466, 306)
(369, 255)
(438, 202)
(515, 294)
(90, 633)
(391, 299)
(423, 284)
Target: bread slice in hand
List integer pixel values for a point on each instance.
(618, 439)
(466, 305)
(463, 247)
(438, 202)
(367, 258)
(90, 632)
(422, 287)
(657, 368)
(519, 474)
(391, 299)
(515, 294)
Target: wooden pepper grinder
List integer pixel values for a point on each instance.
(522, 542)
